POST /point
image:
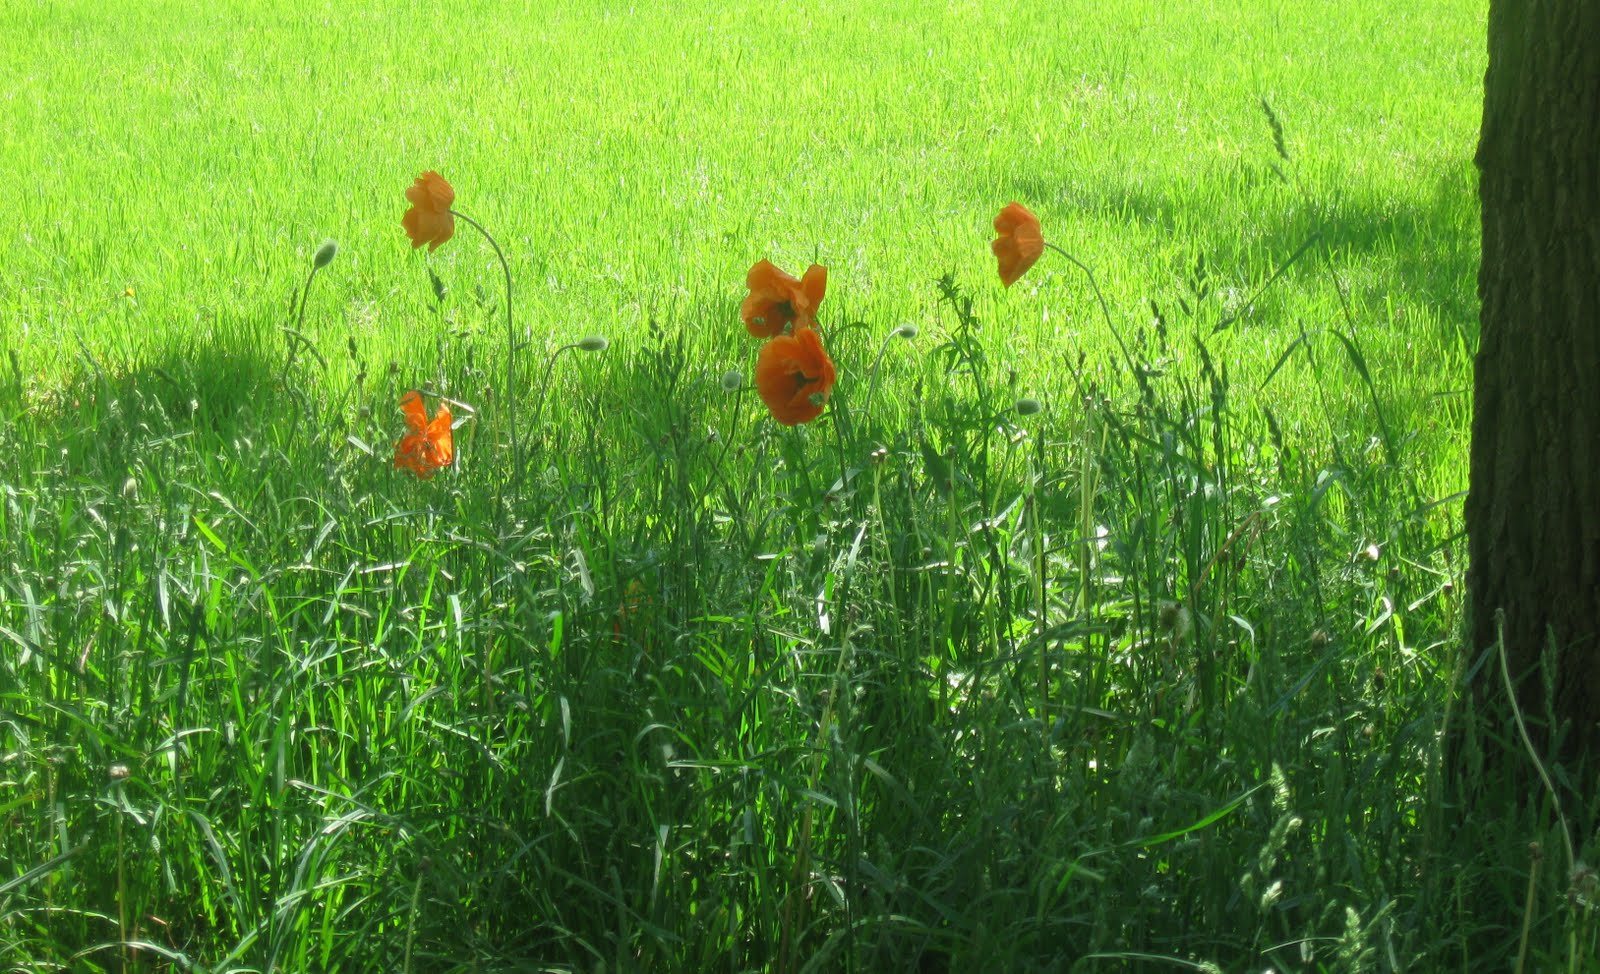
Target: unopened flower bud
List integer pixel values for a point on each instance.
(593, 343)
(907, 331)
(732, 380)
(325, 254)
(1028, 407)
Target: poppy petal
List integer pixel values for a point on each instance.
(765, 276)
(813, 286)
(412, 409)
(440, 438)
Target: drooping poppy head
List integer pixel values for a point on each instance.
(1020, 242)
(429, 446)
(778, 300)
(795, 376)
(429, 220)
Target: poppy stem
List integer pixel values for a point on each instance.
(872, 381)
(1040, 568)
(298, 331)
(296, 336)
(1105, 309)
(544, 384)
(507, 396)
(733, 429)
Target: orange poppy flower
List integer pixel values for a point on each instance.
(778, 300)
(1020, 242)
(429, 221)
(428, 446)
(795, 376)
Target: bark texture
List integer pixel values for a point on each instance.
(1533, 510)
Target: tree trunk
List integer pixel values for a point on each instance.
(1533, 511)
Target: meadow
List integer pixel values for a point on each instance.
(1071, 636)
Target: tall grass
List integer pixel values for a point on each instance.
(1041, 650)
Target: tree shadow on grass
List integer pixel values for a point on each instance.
(1422, 249)
(222, 385)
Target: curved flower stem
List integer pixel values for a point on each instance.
(1105, 309)
(733, 427)
(872, 381)
(508, 397)
(305, 292)
(544, 384)
(297, 335)
(1041, 566)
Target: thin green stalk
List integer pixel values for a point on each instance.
(906, 332)
(544, 383)
(319, 260)
(589, 343)
(1536, 855)
(507, 394)
(1034, 477)
(1527, 742)
(411, 920)
(1105, 309)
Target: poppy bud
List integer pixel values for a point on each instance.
(731, 381)
(594, 343)
(1028, 407)
(907, 331)
(325, 254)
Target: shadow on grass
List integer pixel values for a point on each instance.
(1420, 249)
(223, 384)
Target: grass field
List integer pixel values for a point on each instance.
(1149, 678)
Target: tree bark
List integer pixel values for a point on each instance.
(1533, 510)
